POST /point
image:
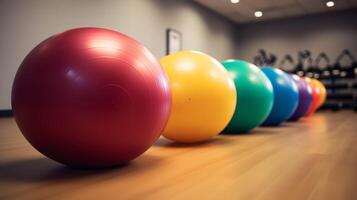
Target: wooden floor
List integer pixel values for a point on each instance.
(313, 159)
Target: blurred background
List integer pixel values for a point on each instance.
(316, 38)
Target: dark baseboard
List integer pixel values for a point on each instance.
(6, 113)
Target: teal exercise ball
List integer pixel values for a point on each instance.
(286, 96)
(254, 96)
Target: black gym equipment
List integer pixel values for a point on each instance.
(304, 66)
(348, 71)
(264, 59)
(340, 81)
(287, 64)
(323, 71)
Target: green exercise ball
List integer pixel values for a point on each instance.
(254, 96)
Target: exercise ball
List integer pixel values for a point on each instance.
(203, 96)
(305, 97)
(323, 93)
(286, 96)
(254, 95)
(315, 95)
(91, 97)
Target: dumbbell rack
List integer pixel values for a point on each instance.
(341, 83)
(341, 93)
(340, 80)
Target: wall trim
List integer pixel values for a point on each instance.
(6, 113)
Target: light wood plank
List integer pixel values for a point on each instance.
(315, 158)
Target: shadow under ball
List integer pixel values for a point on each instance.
(91, 97)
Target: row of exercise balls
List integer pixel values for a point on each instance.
(93, 97)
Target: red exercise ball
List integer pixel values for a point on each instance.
(315, 96)
(91, 97)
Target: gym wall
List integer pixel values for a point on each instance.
(330, 32)
(29, 22)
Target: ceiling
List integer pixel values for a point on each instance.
(243, 12)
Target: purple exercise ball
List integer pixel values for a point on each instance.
(305, 98)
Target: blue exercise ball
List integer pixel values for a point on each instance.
(286, 96)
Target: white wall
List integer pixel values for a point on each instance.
(25, 23)
(330, 32)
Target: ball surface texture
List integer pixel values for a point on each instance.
(286, 96)
(203, 96)
(254, 96)
(305, 98)
(91, 97)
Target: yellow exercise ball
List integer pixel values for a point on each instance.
(323, 93)
(203, 96)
